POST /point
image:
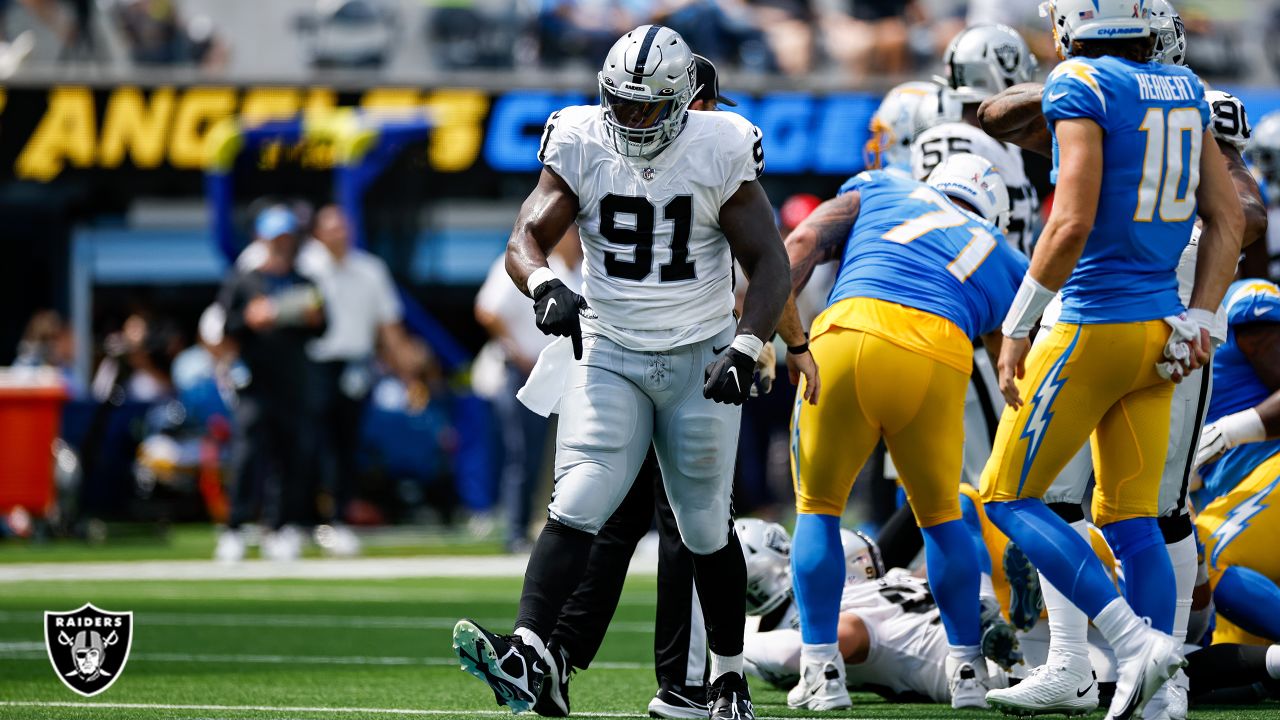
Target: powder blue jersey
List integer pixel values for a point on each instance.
(1154, 117)
(1237, 387)
(911, 246)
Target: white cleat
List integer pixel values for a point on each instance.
(1060, 686)
(337, 541)
(1145, 663)
(231, 546)
(821, 687)
(283, 545)
(1157, 708)
(968, 684)
(1179, 688)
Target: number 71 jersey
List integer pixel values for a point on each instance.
(657, 270)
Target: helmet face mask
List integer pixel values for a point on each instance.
(646, 87)
(894, 126)
(1170, 33)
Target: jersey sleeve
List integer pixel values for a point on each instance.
(1074, 90)
(559, 149)
(1253, 301)
(742, 154)
(857, 182)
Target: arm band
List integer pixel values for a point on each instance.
(800, 349)
(537, 277)
(1028, 305)
(748, 345)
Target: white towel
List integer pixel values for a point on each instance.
(544, 388)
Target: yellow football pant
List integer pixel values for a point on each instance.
(873, 388)
(1097, 382)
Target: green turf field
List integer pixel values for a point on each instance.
(310, 649)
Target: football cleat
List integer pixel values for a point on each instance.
(730, 699)
(511, 669)
(1026, 602)
(679, 703)
(1060, 686)
(968, 683)
(1179, 689)
(553, 699)
(821, 687)
(1145, 663)
(999, 639)
(231, 546)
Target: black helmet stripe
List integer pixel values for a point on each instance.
(645, 46)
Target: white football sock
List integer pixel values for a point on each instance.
(1273, 661)
(818, 654)
(1068, 625)
(721, 664)
(966, 653)
(1119, 624)
(776, 652)
(1186, 562)
(986, 588)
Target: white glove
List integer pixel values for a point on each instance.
(1176, 350)
(1228, 432)
(1230, 122)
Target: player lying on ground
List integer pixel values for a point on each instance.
(657, 357)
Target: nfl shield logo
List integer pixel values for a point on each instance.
(88, 647)
(647, 174)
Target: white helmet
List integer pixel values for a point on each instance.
(1096, 20)
(1263, 153)
(1171, 34)
(767, 549)
(943, 105)
(893, 126)
(986, 59)
(861, 556)
(974, 179)
(646, 86)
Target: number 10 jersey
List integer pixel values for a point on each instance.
(657, 270)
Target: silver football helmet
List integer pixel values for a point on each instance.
(1171, 34)
(767, 549)
(646, 86)
(1263, 154)
(986, 59)
(893, 126)
(862, 559)
(974, 179)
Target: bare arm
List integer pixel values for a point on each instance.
(1223, 228)
(544, 218)
(1255, 210)
(821, 237)
(1260, 343)
(1015, 116)
(1076, 206)
(748, 224)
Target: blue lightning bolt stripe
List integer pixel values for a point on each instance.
(1042, 409)
(1238, 519)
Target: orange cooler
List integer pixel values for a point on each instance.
(31, 403)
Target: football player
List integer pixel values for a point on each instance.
(1131, 162)
(1263, 155)
(664, 198)
(1058, 690)
(1239, 460)
(893, 127)
(923, 270)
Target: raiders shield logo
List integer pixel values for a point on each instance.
(1007, 56)
(88, 647)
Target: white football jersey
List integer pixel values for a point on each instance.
(908, 642)
(657, 270)
(942, 141)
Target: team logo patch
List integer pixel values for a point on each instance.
(1007, 56)
(88, 647)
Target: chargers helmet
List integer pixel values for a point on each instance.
(893, 126)
(986, 59)
(1171, 34)
(1263, 153)
(974, 179)
(1096, 20)
(861, 557)
(767, 549)
(646, 86)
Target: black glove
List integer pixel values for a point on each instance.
(555, 310)
(729, 378)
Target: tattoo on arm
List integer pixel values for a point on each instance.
(1015, 116)
(1255, 210)
(822, 236)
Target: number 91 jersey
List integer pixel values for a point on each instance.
(657, 270)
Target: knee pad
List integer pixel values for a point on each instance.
(699, 448)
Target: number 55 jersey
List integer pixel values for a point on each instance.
(657, 269)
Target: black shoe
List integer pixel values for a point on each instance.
(730, 699)
(512, 669)
(553, 701)
(679, 703)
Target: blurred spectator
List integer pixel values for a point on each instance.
(584, 30)
(349, 33)
(157, 34)
(48, 342)
(507, 315)
(788, 29)
(723, 30)
(363, 311)
(870, 38)
(272, 312)
(136, 362)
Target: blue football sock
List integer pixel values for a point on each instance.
(1251, 600)
(952, 561)
(1057, 551)
(1148, 573)
(817, 571)
(974, 524)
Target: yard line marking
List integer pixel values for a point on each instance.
(289, 710)
(427, 622)
(24, 651)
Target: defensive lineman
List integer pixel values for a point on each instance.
(662, 196)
